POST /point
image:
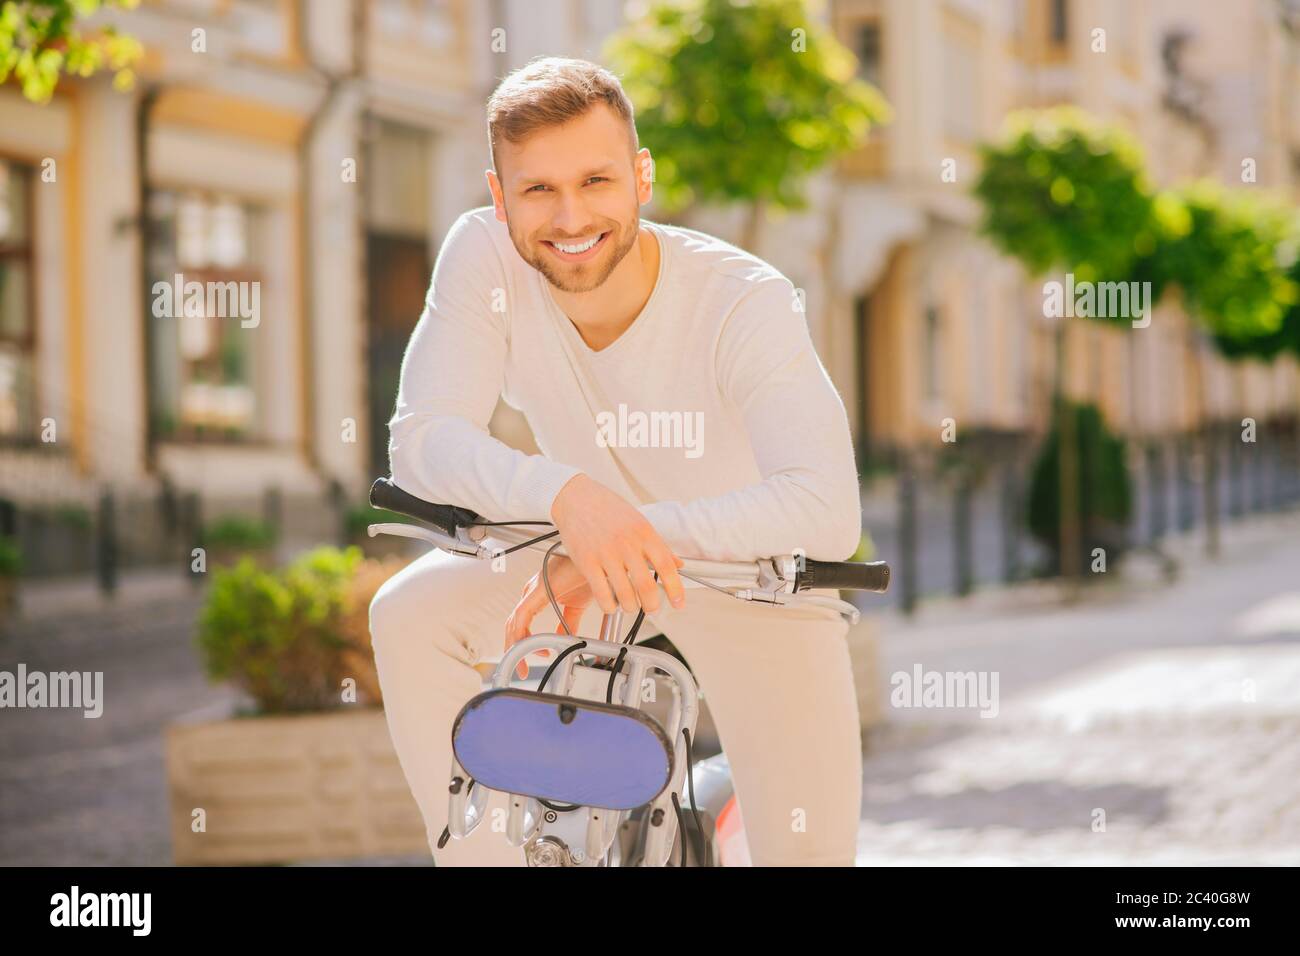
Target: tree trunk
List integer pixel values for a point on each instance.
(1210, 486)
(1067, 469)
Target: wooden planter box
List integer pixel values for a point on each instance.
(283, 789)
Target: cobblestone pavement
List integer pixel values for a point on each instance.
(1171, 715)
(92, 791)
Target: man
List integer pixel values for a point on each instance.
(560, 299)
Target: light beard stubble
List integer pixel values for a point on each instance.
(547, 268)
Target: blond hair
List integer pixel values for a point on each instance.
(550, 91)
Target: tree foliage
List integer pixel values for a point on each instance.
(1063, 191)
(1266, 345)
(40, 40)
(740, 100)
(1232, 255)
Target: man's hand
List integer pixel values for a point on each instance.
(613, 546)
(571, 593)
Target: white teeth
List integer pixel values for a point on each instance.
(574, 250)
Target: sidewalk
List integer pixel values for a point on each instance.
(1169, 714)
(137, 589)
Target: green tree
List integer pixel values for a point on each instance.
(740, 101)
(1267, 345)
(1233, 257)
(41, 40)
(1062, 191)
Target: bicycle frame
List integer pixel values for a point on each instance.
(586, 835)
(597, 829)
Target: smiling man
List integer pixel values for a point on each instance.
(562, 300)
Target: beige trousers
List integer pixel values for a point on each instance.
(777, 682)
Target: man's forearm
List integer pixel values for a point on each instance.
(776, 516)
(449, 460)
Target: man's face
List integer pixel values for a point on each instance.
(570, 198)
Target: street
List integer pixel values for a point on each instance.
(1174, 711)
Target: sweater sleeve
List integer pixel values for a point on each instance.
(796, 422)
(452, 374)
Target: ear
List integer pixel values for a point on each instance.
(644, 167)
(498, 196)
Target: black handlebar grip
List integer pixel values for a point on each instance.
(847, 575)
(384, 494)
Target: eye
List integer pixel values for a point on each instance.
(531, 188)
(603, 179)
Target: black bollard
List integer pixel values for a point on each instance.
(1257, 455)
(1236, 478)
(1010, 525)
(1209, 441)
(961, 537)
(337, 500)
(907, 563)
(1183, 487)
(106, 544)
(273, 511)
(1156, 491)
(192, 536)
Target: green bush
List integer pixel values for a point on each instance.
(1105, 494)
(11, 557)
(277, 634)
(238, 532)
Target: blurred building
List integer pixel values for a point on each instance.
(321, 150)
(928, 321)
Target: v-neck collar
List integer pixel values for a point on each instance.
(620, 343)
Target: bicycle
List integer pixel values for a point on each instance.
(593, 777)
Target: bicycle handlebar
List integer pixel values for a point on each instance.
(384, 494)
(846, 575)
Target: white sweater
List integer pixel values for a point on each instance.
(731, 438)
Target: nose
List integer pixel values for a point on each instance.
(571, 219)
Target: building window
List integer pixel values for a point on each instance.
(202, 367)
(428, 22)
(870, 64)
(17, 322)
